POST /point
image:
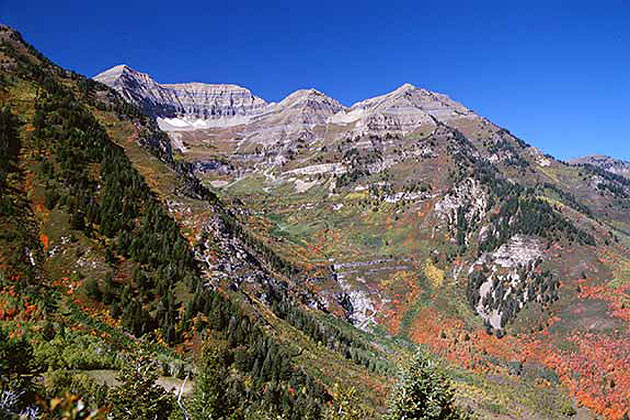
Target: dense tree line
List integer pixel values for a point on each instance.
(521, 212)
(9, 145)
(330, 335)
(94, 181)
(87, 176)
(275, 381)
(530, 216)
(567, 198)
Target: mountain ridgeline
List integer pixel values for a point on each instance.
(287, 260)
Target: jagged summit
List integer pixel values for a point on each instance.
(116, 75)
(409, 96)
(305, 92)
(113, 71)
(312, 95)
(195, 105)
(312, 105)
(405, 87)
(179, 106)
(116, 69)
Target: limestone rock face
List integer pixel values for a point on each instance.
(402, 111)
(215, 101)
(184, 105)
(140, 89)
(616, 166)
(294, 119)
(201, 106)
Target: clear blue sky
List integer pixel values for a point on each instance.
(555, 73)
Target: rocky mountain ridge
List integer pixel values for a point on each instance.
(199, 106)
(610, 164)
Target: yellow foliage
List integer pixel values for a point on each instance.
(433, 273)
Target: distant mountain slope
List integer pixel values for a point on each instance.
(198, 104)
(616, 166)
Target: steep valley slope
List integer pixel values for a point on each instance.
(307, 244)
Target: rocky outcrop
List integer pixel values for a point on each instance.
(464, 206)
(502, 282)
(201, 106)
(616, 166)
(184, 105)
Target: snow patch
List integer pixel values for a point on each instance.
(191, 124)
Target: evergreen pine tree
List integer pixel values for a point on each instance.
(138, 396)
(423, 393)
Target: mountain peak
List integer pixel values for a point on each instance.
(115, 70)
(306, 92)
(411, 97)
(121, 75)
(405, 87)
(306, 108)
(183, 101)
(311, 98)
(121, 67)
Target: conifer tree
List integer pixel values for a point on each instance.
(209, 400)
(423, 393)
(138, 396)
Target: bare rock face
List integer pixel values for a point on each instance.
(616, 166)
(467, 199)
(139, 89)
(215, 105)
(402, 111)
(509, 278)
(293, 119)
(185, 105)
(200, 106)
